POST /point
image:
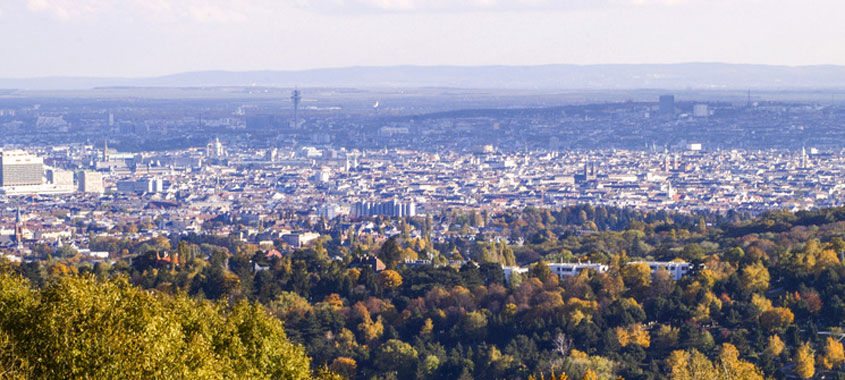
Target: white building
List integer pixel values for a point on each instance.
(563, 270)
(91, 182)
(60, 177)
(19, 168)
(678, 269)
(215, 149)
(511, 270)
(300, 239)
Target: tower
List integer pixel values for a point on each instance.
(18, 228)
(295, 98)
(106, 150)
(803, 158)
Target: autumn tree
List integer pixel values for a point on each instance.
(834, 355)
(389, 279)
(84, 327)
(805, 364)
(774, 345)
(755, 277)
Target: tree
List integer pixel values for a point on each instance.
(344, 366)
(774, 345)
(805, 364)
(540, 270)
(834, 355)
(85, 327)
(775, 318)
(636, 275)
(694, 365)
(755, 277)
(390, 253)
(396, 355)
(389, 279)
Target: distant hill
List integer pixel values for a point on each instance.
(547, 77)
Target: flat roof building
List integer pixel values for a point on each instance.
(18, 168)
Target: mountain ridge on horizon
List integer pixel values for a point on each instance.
(690, 75)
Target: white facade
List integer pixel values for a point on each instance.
(564, 270)
(19, 168)
(91, 182)
(511, 270)
(678, 269)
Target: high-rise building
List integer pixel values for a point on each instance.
(91, 182)
(18, 168)
(700, 110)
(60, 177)
(215, 149)
(667, 104)
(389, 208)
(295, 98)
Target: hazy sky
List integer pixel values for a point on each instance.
(154, 37)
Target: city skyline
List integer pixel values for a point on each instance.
(136, 39)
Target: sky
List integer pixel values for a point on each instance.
(139, 38)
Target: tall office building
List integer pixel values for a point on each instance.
(91, 182)
(60, 177)
(18, 168)
(295, 98)
(667, 104)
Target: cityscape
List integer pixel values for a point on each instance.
(422, 190)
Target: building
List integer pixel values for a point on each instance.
(60, 177)
(300, 239)
(390, 208)
(18, 168)
(91, 182)
(695, 147)
(215, 149)
(667, 104)
(509, 271)
(331, 211)
(700, 110)
(678, 269)
(19, 228)
(564, 270)
(143, 185)
(589, 173)
(371, 262)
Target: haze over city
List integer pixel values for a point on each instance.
(422, 189)
(137, 38)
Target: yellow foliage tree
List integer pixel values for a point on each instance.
(755, 277)
(634, 334)
(590, 375)
(805, 364)
(636, 275)
(694, 365)
(88, 328)
(344, 366)
(389, 279)
(834, 355)
(775, 345)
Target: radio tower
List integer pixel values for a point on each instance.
(295, 97)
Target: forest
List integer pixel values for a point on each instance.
(764, 300)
